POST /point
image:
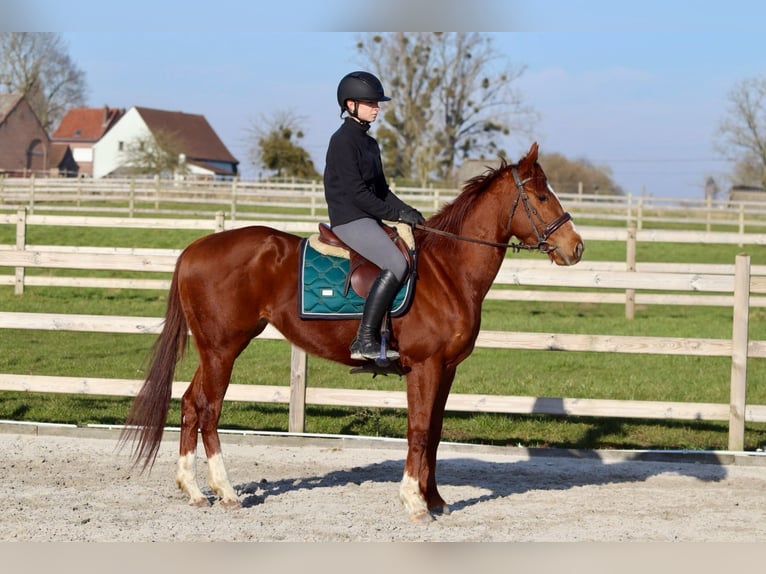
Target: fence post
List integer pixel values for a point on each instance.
(298, 370)
(630, 265)
(313, 198)
(157, 192)
(234, 199)
(219, 221)
(739, 344)
(132, 197)
(708, 213)
(32, 193)
(21, 242)
(741, 221)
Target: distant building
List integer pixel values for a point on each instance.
(200, 149)
(746, 193)
(81, 128)
(25, 148)
(474, 167)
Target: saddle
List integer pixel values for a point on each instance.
(362, 272)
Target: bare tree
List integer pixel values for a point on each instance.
(478, 100)
(454, 98)
(157, 154)
(37, 65)
(403, 61)
(742, 132)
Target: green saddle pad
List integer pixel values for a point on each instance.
(322, 280)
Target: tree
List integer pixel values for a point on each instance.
(273, 148)
(404, 63)
(36, 64)
(453, 98)
(742, 132)
(157, 154)
(566, 175)
(478, 103)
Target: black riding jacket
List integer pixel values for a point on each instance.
(354, 183)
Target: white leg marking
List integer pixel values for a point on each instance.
(218, 480)
(186, 480)
(411, 497)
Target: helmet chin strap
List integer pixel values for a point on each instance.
(355, 114)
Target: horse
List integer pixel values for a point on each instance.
(229, 285)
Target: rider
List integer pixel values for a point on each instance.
(358, 198)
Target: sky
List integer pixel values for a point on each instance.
(637, 87)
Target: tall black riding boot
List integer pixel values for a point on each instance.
(366, 344)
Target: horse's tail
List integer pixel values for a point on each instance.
(146, 420)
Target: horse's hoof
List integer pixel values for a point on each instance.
(442, 510)
(199, 502)
(231, 504)
(421, 517)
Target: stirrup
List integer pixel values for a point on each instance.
(386, 352)
(382, 353)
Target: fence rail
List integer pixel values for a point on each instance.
(515, 272)
(305, 200)
(732, 285)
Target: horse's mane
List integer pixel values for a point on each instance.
(450, 217)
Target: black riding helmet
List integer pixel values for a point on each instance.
(360, 86)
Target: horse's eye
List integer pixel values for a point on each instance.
(542, 197)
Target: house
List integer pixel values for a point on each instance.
(25, 148)
(745, 193)
(473, 167)
(201, 153)
(81, 128)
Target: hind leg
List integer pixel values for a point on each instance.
(186, 478)
(200, 410)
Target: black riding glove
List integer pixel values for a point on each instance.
(411, 216)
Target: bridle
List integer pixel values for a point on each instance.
(534, 218)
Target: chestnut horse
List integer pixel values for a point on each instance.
(228, 286)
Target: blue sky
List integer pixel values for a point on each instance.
(639, 88)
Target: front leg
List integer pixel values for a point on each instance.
(413, 500)
(428, 385)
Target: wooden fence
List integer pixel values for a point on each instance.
(288, 200)
(514, 272)
(732, 285)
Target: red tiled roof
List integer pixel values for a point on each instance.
(86, 124)
(192, 132)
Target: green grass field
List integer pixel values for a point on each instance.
(511, 372)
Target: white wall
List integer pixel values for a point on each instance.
(82, 154)
(107, 156)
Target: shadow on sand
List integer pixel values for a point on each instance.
(545, 469)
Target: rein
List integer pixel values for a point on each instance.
(542, 238)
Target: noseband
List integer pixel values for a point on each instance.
(534, 218)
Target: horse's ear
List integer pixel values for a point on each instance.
(531, 156)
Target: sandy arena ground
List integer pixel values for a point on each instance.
(75, 486)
